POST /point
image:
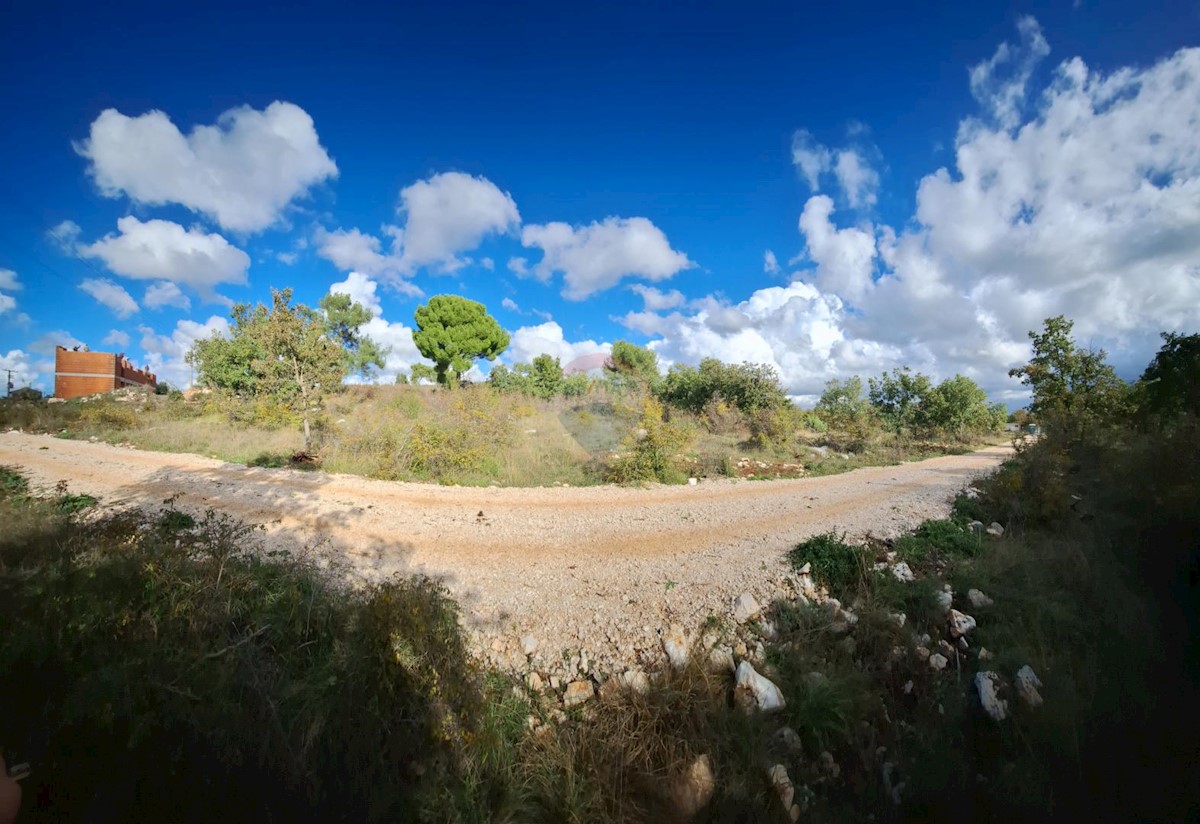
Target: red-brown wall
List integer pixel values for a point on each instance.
(88, 373)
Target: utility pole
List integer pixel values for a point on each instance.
(10, 383)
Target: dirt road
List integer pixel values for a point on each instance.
(603, 568)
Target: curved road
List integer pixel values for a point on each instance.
(600, 567)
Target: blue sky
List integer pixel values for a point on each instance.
(829, 190)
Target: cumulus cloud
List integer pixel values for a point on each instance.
(65, 235)
(519, 266)
(596, 257)
(1000, 82)
(770, 263)
(24, 371)
(450, 213)
(116, 338)
(548, 339)
(7, 303)
(165, 293)
(162, 250)
(857, 180)
(655, 300)
(46, 344)
(510, 305)
(810, 158)
(1088, 206)
(361, 289)
(111, 295)
(488, 264)
(242, 171)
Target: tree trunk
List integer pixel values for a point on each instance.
(307, 435)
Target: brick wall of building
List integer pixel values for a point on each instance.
(88, 373)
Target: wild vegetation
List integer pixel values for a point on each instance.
(157, 666)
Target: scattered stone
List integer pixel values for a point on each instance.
(945, 599)
(908, 687)
(976, 527)
(534, 681)
(676, 646)
(577, 693)
(900, 618)
(693, 481)
(746, 608)
(995, 530)
(987, 684)
(945, 649)
(720, 659)
(785, 789)
(960, 623)
(694, 788)
(971, 492)
(740, 650)
(767, 696)
(978, 599)
(985, 654)
(923, 653)
(829, 766)
(903, 573)
(1027, 686)
(768, 630)
(529, 645)
(938, 661)
(892, 786)
(805, 570)
(555, 682)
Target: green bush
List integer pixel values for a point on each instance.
(936, 540)
(836, 564)
(649, 451)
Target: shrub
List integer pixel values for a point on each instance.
(108, 414)
(650, 449)
(834, 562)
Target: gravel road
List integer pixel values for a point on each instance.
(601, 569)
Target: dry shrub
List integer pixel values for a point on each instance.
(651, 449)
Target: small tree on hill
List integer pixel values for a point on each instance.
(632, 364)
(453, 332)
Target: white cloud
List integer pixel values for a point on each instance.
(488, 264)
(770, 263)
(547, 339)
(9, 280)
(510, 305)
(361, 289)
(655, 300)
(45, 344)
(65, 235)
(844, 257)
(7, 303)
(810, 157)
(164, 354)
(287, 258)
(857, 179)
(161, 250)
(111, 295)
(519, 266)
(116, 338)
(242, 172)
(450, 213)
(165, 293)
(596, 257)
(1000, 82)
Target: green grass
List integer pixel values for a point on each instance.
(836, 564)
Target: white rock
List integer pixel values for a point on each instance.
(1027, 686)
(745, 608)
(899, 618)
(577, 693)
(960, 623)
(784, 788)
(805, 570)
(790, 739)
(720, 659)
(938, 661)
(995, 530)
(987, 684)
(534, 681)
(767, 629)
(903, 573)
(529, 645)
(675, 644)
(976, 527)
(693, 481)
(985, 654)
(766, 695)
(978, 599)
(635, 681)
(694, 788)
(945, 599)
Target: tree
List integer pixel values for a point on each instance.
(343, 320)
(453, 332)
(958, 406)
(898, 398)
(843, 408)
(1171, 383)
(227, 363)
(1073, 388)
(545, 376)
(422, 371)
(748, 386)
(633, 364)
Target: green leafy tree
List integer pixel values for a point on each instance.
(1074, 389)
(748, 386)
(633, 365)
(454, 332)
(344, 319)
(957, 406)
(844, 409)
(899, 398)
(422, 371)
(227, 363)
(1171, 383)
(545, 376)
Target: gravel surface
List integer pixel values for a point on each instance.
(595, 570)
